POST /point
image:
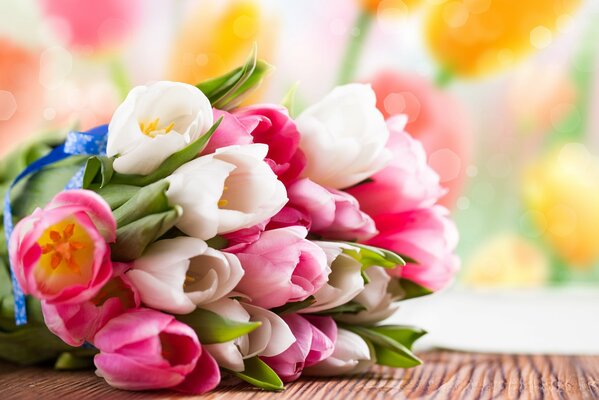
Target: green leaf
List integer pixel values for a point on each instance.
(212, 328)
(132, 239)
(388, 351)
(242, 90)
(228, 90)
(259, 374)
(169, 165)
(116, 194)
(218, 242)
(289, 100)
(391, 358)
(351, 307)
(98, 169)
(75, 360)
(370, 255)
(291, 308)
(411, 290)
(403, 334)
(148, 200)
(30, 345)
(38, 189)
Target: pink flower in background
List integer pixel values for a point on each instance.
(60, 254)
(98, 24)
(146, 349)
(281, 267)
(333, 214)
(77, 323)
(21, 94)
(315, 341)
(428, 237)
(269, 124)
(435, 118)
(407, 183)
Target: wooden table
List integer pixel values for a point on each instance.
(445, 375)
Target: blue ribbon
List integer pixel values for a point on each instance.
(92, 142)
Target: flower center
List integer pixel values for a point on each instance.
(62, 248)
(67, 256)
(151, 129)
(222, 203)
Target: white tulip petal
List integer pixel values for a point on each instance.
(343, 137)
(270, 339)
(154, 122)
(345, 280)
(231, 189)
(227, 355)
(351, 356)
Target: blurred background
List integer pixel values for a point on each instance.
(501, 93)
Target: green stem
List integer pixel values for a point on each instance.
(354, 47)
(119, 76)
(444, 77)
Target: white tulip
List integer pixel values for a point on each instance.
(271, 338)
(378, 297)
(154, 122)
(345, 280)
(177, 275)
(343, 137)
(351, 356)
(231, 189)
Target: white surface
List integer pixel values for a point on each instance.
(549, 321)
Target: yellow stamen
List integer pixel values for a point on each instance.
(151, 129)
(223, 202)
(189, 279)
(169, 127)
(62, 248)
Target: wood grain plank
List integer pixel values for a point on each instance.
(445, 375)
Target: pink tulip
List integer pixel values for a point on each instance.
(407, 183)
(315, 341)
(333, 214)
(436, 119)
(275, 128)
(281, 267)
(231, 131)
(60, 254)
(146, 349)
(428, 237)
(77, 323)
(269, 124)
(98, 24)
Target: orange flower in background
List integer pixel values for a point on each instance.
(435, 118)
(562, 194)
(478, 37)
(388, 6)
(218, 36)
(21, 95)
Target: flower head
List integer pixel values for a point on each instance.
(154, 122)
(60, 254)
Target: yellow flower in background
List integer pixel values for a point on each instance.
(218, 36)
(478, 37)
(562, 194)
(507, 260)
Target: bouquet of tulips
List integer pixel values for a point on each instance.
(191, 237)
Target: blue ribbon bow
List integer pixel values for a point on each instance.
(92, 142)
